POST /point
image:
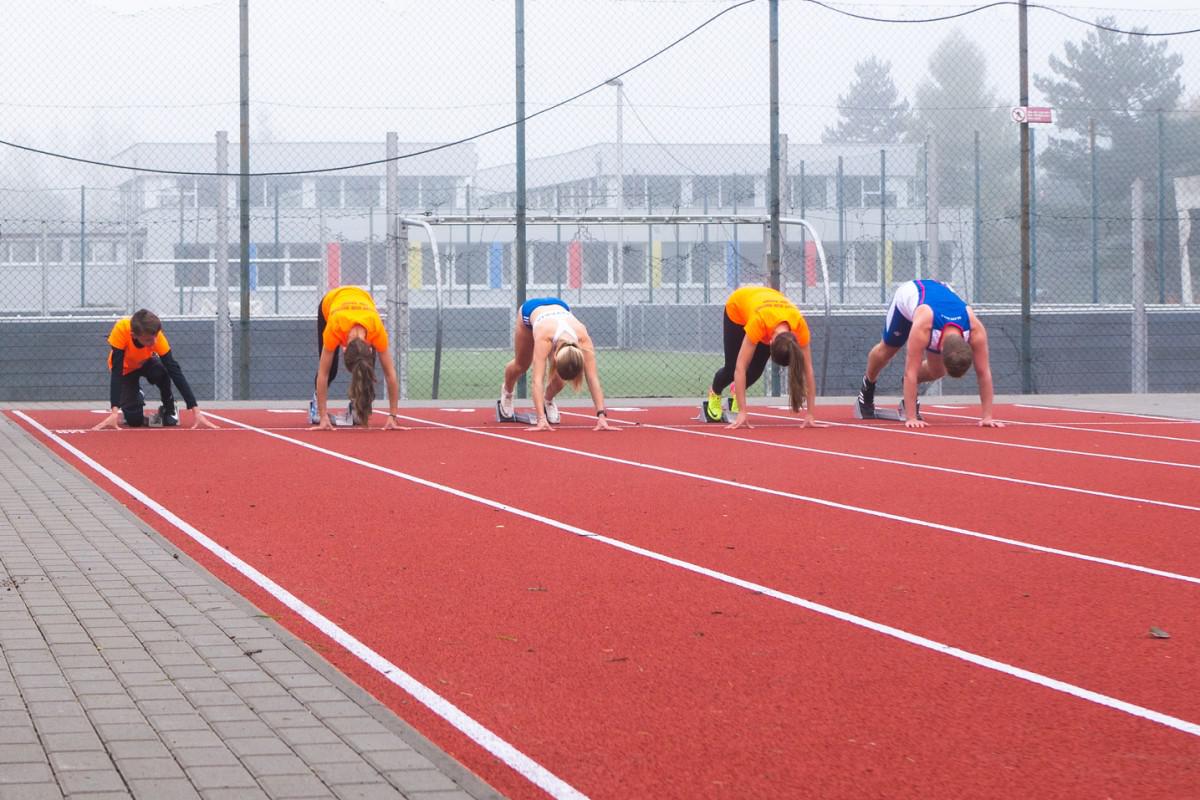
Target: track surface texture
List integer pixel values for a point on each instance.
(676, 610)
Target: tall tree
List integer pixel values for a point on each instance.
(1121, 81)
(952, 104)
(871, 110)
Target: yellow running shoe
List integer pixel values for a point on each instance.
(712, 409)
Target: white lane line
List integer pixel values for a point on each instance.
(927, 433)
(821, 502)
(913, 465)
(518, 761)
(1112, 413)
(1069, 428)
(1053, 684)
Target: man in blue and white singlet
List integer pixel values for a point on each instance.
(942, 336)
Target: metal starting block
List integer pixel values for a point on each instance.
(885, 413)
(523, 417)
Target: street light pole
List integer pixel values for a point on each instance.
(620, 207)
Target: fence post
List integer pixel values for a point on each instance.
(223, 340)
(391, 256)
(45, 265)
(397, 302)
(976, 246)
(1095, 213)
(1138, 354)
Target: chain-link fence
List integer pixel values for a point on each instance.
(898, 148)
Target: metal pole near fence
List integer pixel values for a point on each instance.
(1139, 349)
(223, 334)
(391, 254)
(397, 302)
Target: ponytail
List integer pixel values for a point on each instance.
(360, 361)
(786, 352)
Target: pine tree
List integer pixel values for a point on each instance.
(871, 111)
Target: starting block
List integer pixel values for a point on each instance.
(523, 417)
(889, 414)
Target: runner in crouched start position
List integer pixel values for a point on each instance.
(347, 320)
(140, 350)
(547, 331)
(942, 336)
(761, 323)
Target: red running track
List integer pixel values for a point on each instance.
(629, 677)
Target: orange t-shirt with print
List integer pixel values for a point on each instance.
(121, 337)
(345, 307)
(759, 309)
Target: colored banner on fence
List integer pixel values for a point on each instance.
(810, 263)
(656, 264)
(333, 264)
(495, 265)
(887, 262)
(575, 264)
(415, 265)
(253, 267)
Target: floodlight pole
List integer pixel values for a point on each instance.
(244, 199)
(1026, 248)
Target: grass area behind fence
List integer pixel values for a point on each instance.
(475, 374)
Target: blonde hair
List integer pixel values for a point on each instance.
(786, 352)
(956, 353)
(567, 363)
(360, 361)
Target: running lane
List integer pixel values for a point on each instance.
(624, 676)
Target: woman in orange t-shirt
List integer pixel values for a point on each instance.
(347, 320)
(761, 323)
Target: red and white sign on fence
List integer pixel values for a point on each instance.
(1032, 114)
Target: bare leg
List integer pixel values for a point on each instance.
(522, 356)
(932, 368)
(553, 387)
(878, 358)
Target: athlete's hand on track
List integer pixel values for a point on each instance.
(742, 421)
(602, 425)
(810, 421)
(392, 425)
(111, 421)
(326, 424)
(542, 425)
(915, 423)
(988, 422)
(200, 419)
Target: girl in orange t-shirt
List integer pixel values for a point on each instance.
(347, 320)
(761, 323)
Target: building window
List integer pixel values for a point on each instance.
(361, 191)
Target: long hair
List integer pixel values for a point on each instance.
(786, 352)
(567, 363)
(360, 361)
(956, 353)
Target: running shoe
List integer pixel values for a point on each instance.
(313, 417)
(865, 408)
(506, 402)
(712, 409)
(552, 415)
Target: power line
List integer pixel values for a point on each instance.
(402, 157)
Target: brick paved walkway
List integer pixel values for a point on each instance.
(128, 671)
